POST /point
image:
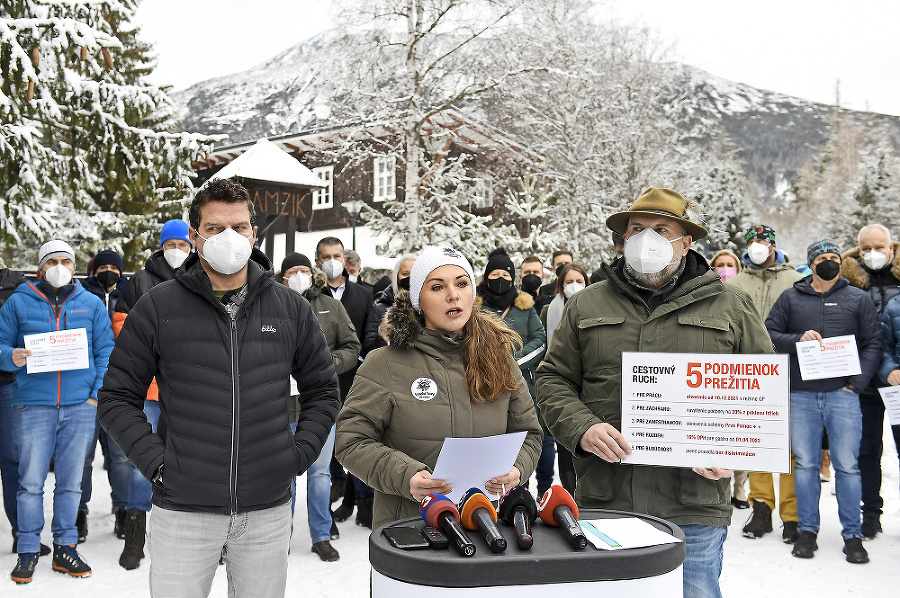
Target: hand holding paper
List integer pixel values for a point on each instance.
(471, 462)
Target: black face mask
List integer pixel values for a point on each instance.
(559, 269)
(499, 286)
(108, 278)
(531, 282)
(403, 283)
(828, 269)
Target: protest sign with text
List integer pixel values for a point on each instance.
(707, 410)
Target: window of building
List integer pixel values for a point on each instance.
(483, 192)
(323, 197)
(385, 186)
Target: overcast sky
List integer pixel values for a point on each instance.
(791, 46)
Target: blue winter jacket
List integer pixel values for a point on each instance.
(843, 310)
(29, 311)
(890, 330)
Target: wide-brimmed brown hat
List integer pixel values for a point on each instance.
(657, 202)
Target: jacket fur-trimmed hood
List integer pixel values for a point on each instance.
(523, 301)
(402, 324)
(853, 270)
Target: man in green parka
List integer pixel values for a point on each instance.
(661, 296)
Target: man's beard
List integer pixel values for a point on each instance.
(656, 280)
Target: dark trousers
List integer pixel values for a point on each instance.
(871, 447)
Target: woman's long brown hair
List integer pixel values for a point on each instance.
(486, 348)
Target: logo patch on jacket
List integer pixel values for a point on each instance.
(268, 328)
(424, 389)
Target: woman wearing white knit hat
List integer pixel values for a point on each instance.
(447, 372)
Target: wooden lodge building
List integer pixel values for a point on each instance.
(367, 172)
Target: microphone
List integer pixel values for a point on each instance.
(559, 510)
(477, 514)
(438, 511)
(518, 508)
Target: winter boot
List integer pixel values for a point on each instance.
(871, 525)
(855, 552)
(326, 551)
(343, 512)
(135, 532)
(825, 467)
(81, 525)
(67, 560)
(364, 512)
(805, 547)
(24, 570)
(790, 532)
(760, 523)
(119, 525)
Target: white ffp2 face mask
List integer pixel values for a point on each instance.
(573, 287)
(175, 257)
(875, 260)
(58, 276)
(300, 282)
(333, 268)
(227, 252)
(758, 253)
(648, 252)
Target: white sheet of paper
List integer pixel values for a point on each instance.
(57, 351)
(470, 462)
(627, 532)
(891, 398)
(834, 357)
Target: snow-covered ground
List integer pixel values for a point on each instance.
(759, 568)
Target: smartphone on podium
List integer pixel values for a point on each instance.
(405, 537)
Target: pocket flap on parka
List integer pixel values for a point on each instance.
(600, 321)
(703, 321)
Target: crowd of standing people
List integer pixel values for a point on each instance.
(211, 383)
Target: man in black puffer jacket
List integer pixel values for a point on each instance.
(821, 306)
(222, 339)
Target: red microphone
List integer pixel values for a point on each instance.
(439, 511)
(558, 509)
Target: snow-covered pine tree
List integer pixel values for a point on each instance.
(83, 142)
(715, 179)
(873, 198)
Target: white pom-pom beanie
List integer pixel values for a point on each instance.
(431, 258)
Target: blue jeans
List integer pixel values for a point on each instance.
(63, 433)
(115, 462)
(545, 464)
(185, 548)
(838, 412)
(318, 491)
(703, 563)
(9, 454)
(140, 491)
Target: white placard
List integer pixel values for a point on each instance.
(707, 410)
(891, 398)
(57, 351)
(470, 462)
(835, 357)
